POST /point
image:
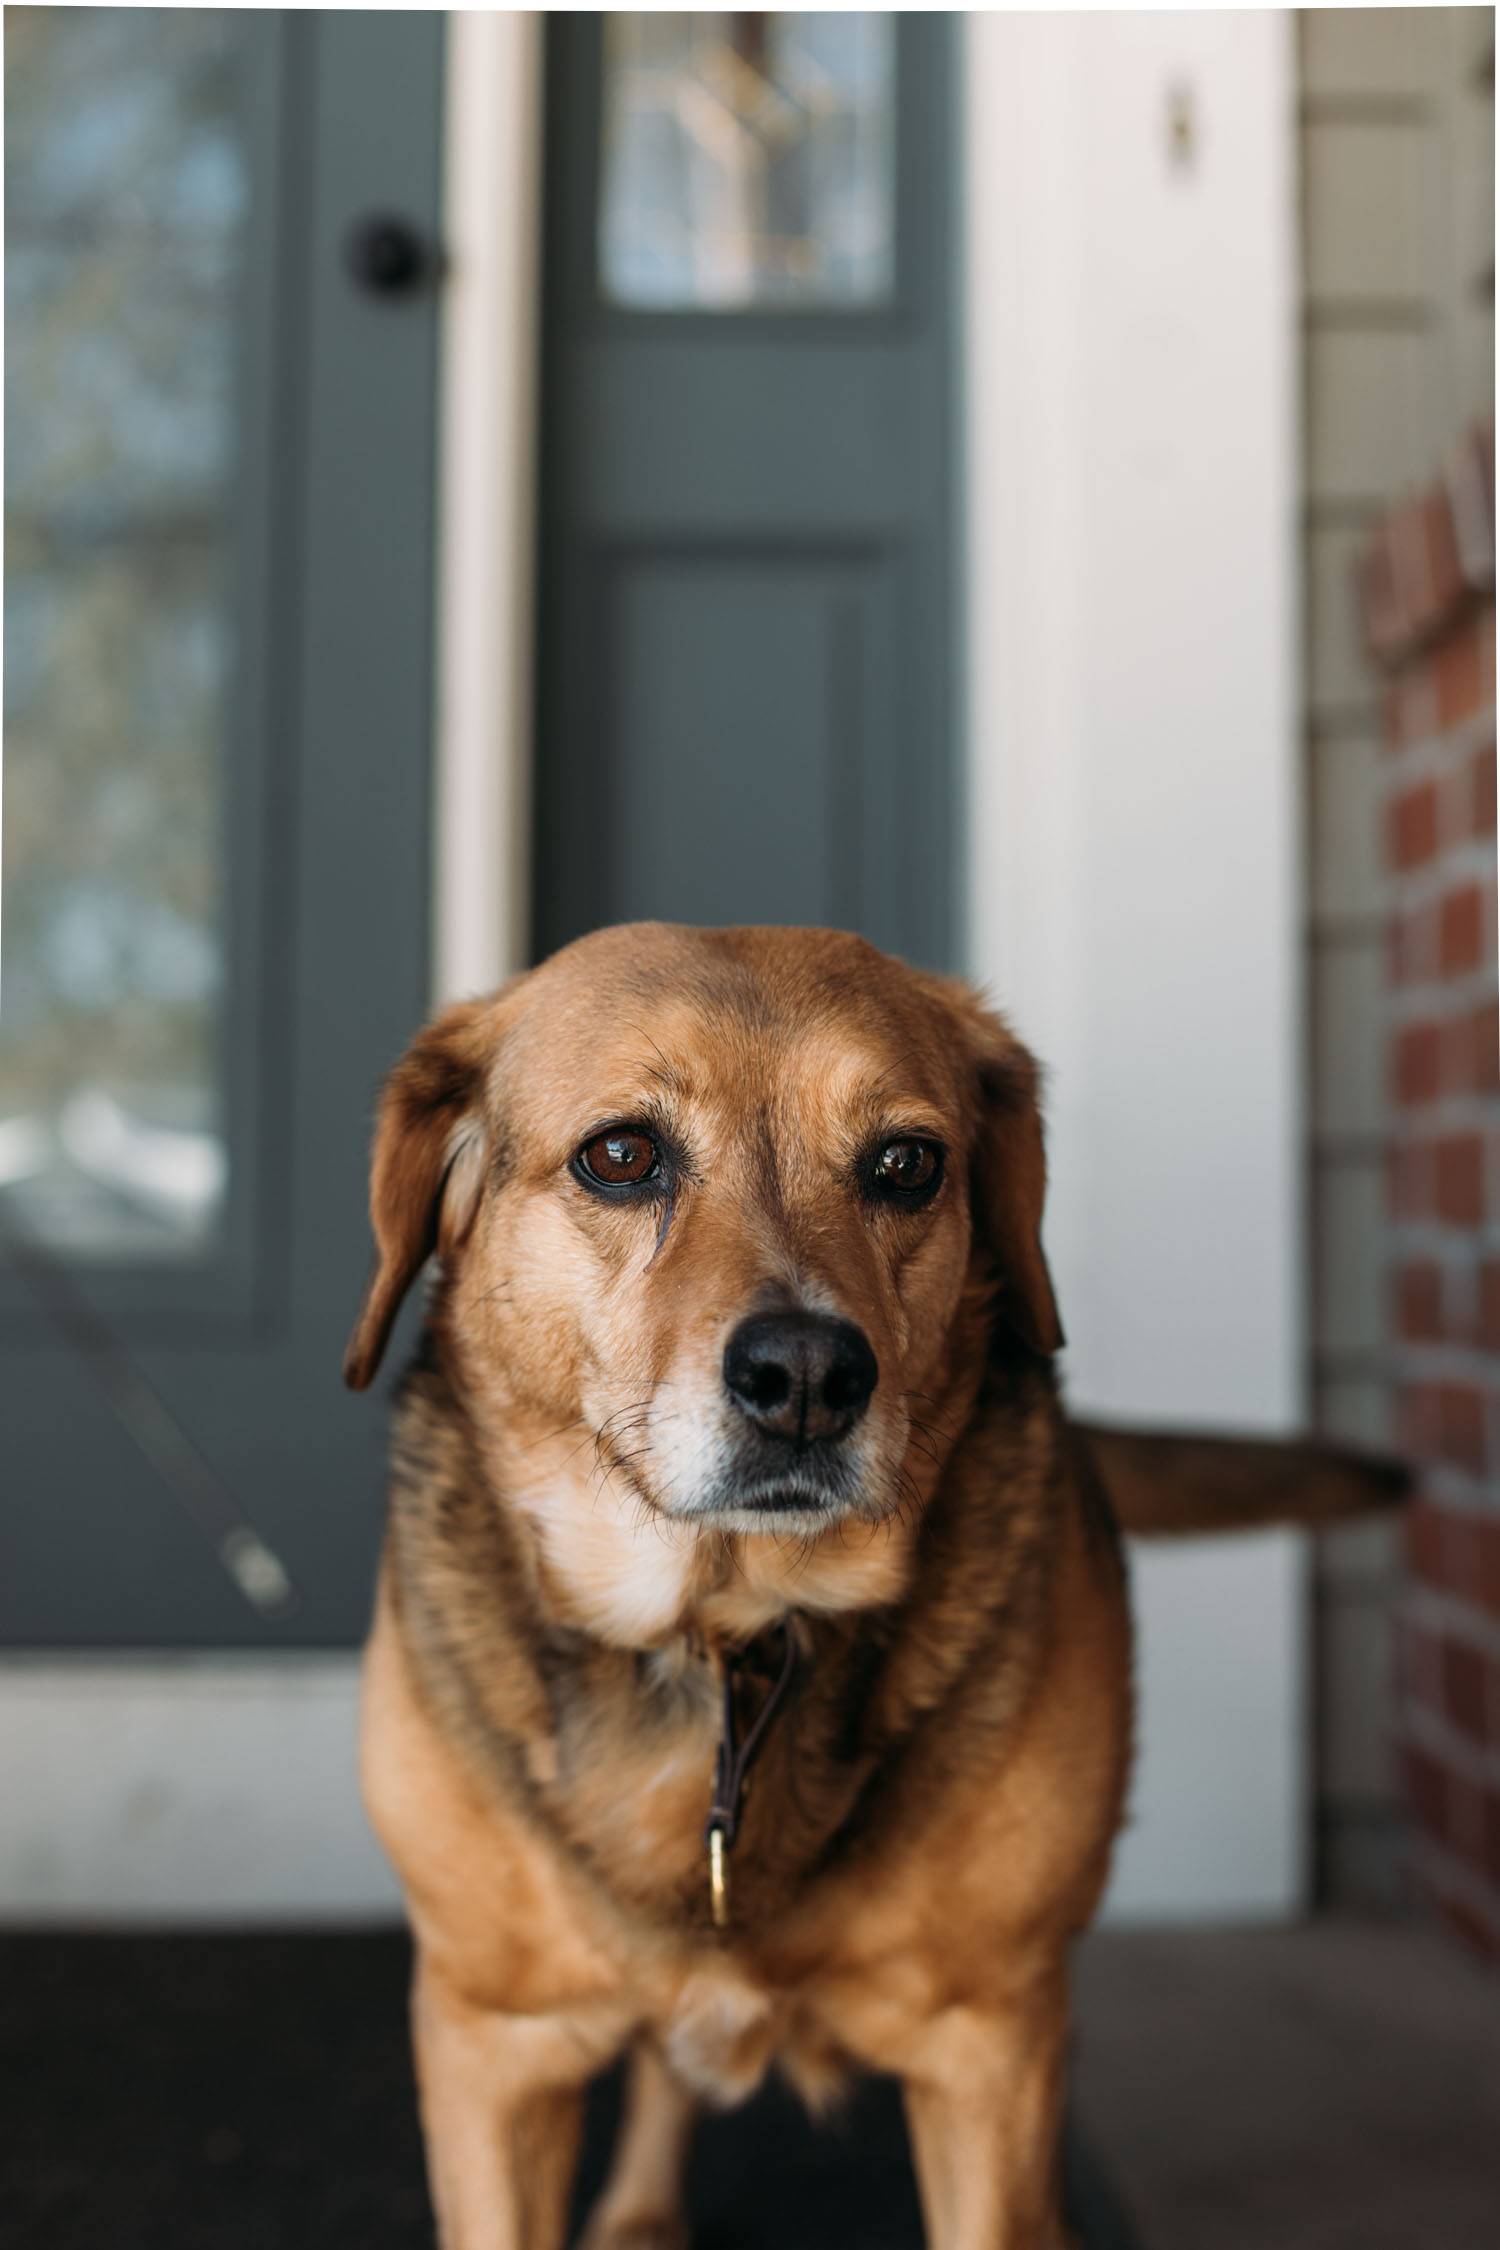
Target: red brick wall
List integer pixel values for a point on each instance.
(1428, 590)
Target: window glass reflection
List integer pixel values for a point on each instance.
(126, 191)
(747, 161)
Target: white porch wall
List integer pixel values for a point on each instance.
(1133, 816)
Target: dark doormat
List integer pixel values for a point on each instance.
(255, 2093)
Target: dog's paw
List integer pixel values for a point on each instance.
(604, 2232)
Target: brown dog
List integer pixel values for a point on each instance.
(736, 1402)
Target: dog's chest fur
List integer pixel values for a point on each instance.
(611, 1750)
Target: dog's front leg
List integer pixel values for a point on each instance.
(502, 2101)
(641, 2206)
(984, 2104)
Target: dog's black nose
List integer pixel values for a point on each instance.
(800, 1375)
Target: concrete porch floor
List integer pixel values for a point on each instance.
(1335, 2087)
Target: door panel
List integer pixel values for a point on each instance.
(162, 1362)
(747, 693)
(746, 653)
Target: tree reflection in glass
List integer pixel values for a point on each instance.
(126, 202)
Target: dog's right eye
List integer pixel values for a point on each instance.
(619, 1158)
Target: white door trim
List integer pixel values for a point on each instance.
(180, 1789)
(487, 499)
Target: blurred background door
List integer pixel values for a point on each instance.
(747, 649)
(219, 432)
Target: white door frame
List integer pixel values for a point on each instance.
(487, 499)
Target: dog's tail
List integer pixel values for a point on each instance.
(1162, 1482)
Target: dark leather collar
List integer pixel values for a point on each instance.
(735, 1758)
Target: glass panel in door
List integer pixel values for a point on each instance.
(748, 161)
(127, 185)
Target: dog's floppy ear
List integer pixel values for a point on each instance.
(427, 1167)
(1009, 1182)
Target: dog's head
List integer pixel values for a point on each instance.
(727, 1206)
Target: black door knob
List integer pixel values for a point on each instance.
(387, 255)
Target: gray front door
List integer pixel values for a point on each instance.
(747, 642)
(220, 435)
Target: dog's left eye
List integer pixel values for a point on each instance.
(907, 1169)
(619, 1158)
